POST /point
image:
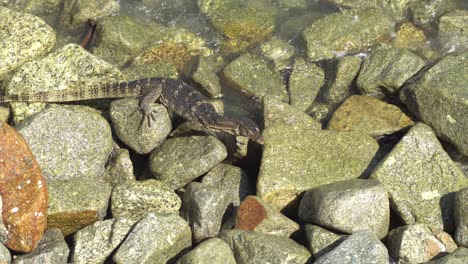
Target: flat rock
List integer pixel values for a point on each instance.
(213, 250)
(369, 115)
(178, 161)
(320, 240)
(460, 214)
(419, 176)
(297, 159)
(304, 83)
(346, 71)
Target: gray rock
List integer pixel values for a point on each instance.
(156, 239)
(138, 198)
(459, 256)
(352, 30)
(386, 70)
(364, 202)
(203, 73)
(278, 51)
(94, 243)
(213, 250)
(297, 159)
(419, 176)
(321, 240)
(52, 249)
(252, 248)
(440, 99)
(425, 14)
(203, 208)
(347, 69)
(75, 13)
(251, 75)
(361, 247)
(5, 256)
(414, 244)
(68, 141)
(132, 127)
(119, 168)
(24, 37)
(461, 217)
(304, 83)
(74, 204)
(178, 161)
(452, 34)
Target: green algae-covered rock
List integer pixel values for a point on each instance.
(304, 83)
(419, 176)
(346, 71)
(278, 51)
(76, 13)
(395, 7)
(352, 30)
(440, 99)
(213, 250)
(296, 159)
(425, 14)
(162, 69)
(321, 240)
(203, 72)
(452, 34)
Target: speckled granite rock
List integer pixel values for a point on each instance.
(252, 248)
(461, 217)
(452, 34)
(204, 73)
(52, 249)
(346, 71)
(155, 239)
(459, 256)
(119, 168)
(68, 141)
(213, 250)
(297, 159)
(304, 83)
(132, 127)
(138, 198)
(76, 13)
(321, 240)
(24, 37)
(278, 51)
(178, 161)
(420, 176)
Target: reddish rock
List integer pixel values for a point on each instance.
(250, 214)
(23, 191)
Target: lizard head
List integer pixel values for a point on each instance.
(247, 128)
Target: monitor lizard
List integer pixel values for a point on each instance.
(179, 97)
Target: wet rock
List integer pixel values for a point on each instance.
(132, 127)
(46, 10)
(414, 244)
(452, 33)
(119, 169)
(369, 115)
(251, 75)
(410, 37)
(420, 176)
(395, 7)
(321, 240)
(94, 243)
(459, 256)
(320, 111)
(213, 250)
(360, 247)
(461, 217)
(77, 203)
(346, 72)
(52, 249)
(162, 69)
(364, 202)
(297, 159)
(276, 112)
(386, 70)
(426, 14)
(252, 247)
(68, 141)
(5, 256)
(23, 193)
(304, 83)
(278, 51)
(76, 13)
(156, 239)
(203, 208)
(256, 215)
(352, 30)
(178, 161)
(138, 198)
(203, 73)
(24, 37)
(299, 4)
(440, 97)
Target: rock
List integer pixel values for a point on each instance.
(440, 97)
(24, 37)
(138, 198)
(75, 13)
(203, 73)
(410, 37)
(459, 256)
(426, 14)
(162, 69)
(414, 244)
(94, 243)
(461, 217)
(255, 215)
(395, 7)
(5, 256)
(304, 83)
(314, 158)
(156, 239)
(46, 10)
(4, 114)
(68, 142)
(352, 30)
(251, 75)
(321, 240)
(279, 52)
(23, 193)
(360, 247)
(276, 112)
(369, 115)
(386, 69)
(296, 4)
(420, 176)
(178, 161)
(77, 203)
(132, 127)
(252, 247)
(320, 111)
(119, 168)
(346, 71)
(203, 208)
(452, 33)
(213, 250)
(52, 249)
(364, 202)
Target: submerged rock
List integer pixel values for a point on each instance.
(347, 69)
(305, 83)
(452, 34)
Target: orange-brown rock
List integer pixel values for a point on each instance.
(23, 191)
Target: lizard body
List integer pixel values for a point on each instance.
(178, 96)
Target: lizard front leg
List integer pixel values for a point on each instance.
(145, 103)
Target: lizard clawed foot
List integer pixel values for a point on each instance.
(148, 114)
